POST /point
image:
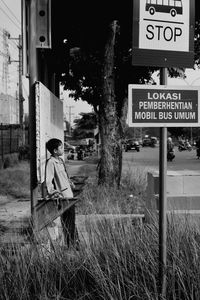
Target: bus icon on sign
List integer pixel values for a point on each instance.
(172, 7)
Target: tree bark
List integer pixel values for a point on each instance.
(109, 122)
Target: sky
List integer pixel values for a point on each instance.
(10, 16)
(72, 108)
(192, 78)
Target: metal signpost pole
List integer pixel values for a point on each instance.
(162, 200)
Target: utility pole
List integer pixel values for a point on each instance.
(21, 98)
(6, 56)
(19, 61)
(163, 202)
(70, 117)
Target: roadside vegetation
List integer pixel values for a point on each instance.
(117, 259)
(127, 199)
(15, 180)
(15, 184)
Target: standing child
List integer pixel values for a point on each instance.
(59, 184)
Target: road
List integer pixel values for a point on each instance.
(148, 159)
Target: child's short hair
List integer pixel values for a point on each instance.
(53, 144)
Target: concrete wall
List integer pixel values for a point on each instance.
(183, 192)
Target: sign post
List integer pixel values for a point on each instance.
(163, 200)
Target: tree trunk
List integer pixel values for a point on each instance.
(109, 122)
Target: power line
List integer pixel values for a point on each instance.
(13, 44)
(11, 12)
(9, 18)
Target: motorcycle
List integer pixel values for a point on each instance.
(170, 155)
(80, 154)
(184, 148)
(71, 155)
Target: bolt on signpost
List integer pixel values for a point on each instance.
(163, 36)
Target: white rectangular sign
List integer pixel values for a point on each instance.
(164, 25)
(163, 33)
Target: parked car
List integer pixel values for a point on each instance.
(146, 142)
(132, 144)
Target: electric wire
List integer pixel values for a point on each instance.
(11, 42)
(12, 13)
(17, 26)
(14, 47)
(14, 43)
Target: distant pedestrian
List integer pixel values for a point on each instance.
(198, 142)
(170, 144)
(187, 144)
(198, 147)
(170, 149)
(59, 185)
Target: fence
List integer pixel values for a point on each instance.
(10, 138)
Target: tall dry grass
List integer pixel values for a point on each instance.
(118, 261)
(127, 199)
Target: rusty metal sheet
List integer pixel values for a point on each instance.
(48, 210)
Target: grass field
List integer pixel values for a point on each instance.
(15, 181)
(118, 261)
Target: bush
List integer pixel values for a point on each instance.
(127, 199)
(15, 181)
(10, 160)
(24, 152)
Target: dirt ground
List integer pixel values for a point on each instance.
(15, 214)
